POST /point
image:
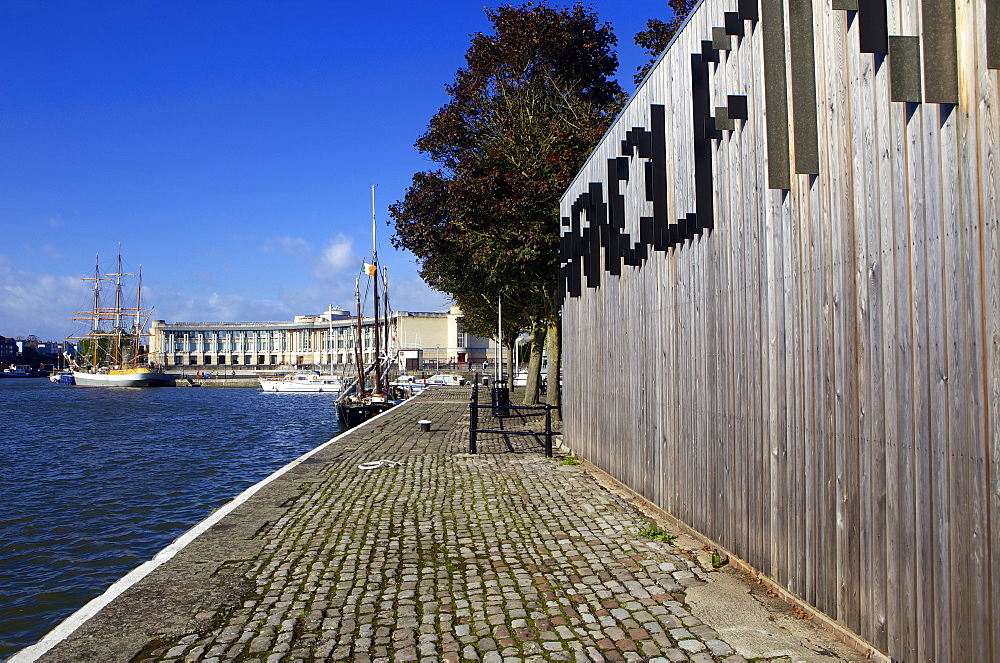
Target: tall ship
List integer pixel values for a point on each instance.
(111, 353)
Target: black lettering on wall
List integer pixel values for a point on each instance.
(709, 52)
(616, 242)
(993, 34)
(747, 9)
(734, 23)
(701, 110)
(602, 244)
(904, 69)
(721, 40)
(737, 104)
(722, 120)
(775, 93)
(656, 176)
(920, 69)
(940, 52)
(873, 26)
(803, 68)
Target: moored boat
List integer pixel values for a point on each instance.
(111, 354)
(22, 371)
(407, 385)
(136, 376)
(312, 381)
(62, 377)
(358, 404)
(446, 379)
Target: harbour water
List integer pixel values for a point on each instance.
(94, 482)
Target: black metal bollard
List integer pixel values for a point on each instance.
(473, 419)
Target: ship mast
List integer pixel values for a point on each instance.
(386, 317)
(94, 315)
(329, 338)
(118, 291)
(357, 344)
(96, 328)
(117, 327)
(96, 311)
(138, 317)
(378, 359)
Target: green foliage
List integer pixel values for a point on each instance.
(570, 460)
(86, 350)
(658, 34)
(657, 533)
(523, 114)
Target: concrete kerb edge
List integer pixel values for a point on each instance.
(656, 513)
(68, 626)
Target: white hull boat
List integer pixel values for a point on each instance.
(303, 382)
(122, 377)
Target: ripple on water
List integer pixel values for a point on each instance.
(96, 481)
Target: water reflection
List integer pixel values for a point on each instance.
(95, 481)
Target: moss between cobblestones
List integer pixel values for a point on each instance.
(451, 556)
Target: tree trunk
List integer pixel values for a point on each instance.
(534, 365)
(554, 342)
(509, 362)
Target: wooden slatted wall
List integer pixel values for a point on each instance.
(809, 375)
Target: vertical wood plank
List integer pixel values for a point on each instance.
(828, 359)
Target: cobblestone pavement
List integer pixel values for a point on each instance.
(498, 558)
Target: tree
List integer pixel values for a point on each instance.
(658, 34)
(524, 113)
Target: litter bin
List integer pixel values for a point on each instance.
(500, 397)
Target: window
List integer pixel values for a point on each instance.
(460, 336)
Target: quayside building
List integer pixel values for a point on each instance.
(421, 339)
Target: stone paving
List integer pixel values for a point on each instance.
(499, 558)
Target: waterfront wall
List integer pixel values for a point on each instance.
(782, 306)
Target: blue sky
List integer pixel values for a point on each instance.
(229, 146)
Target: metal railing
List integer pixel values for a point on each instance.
(502, 410)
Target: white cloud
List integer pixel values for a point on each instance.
(294, 246)
(224, 307)
(217, 307)
(412, 294)
(44, 303)
(39, 304)
(337, 257)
